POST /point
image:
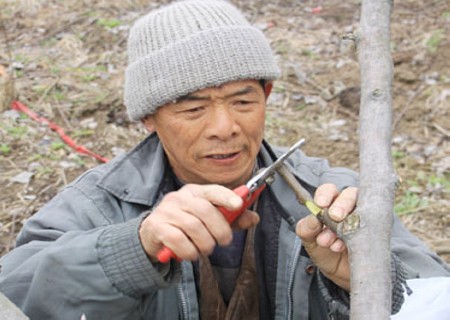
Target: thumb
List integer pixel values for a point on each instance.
(308, 228)
(246, 220)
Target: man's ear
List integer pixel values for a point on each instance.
(268, 89)
(149, 123)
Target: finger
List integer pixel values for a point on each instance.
(196, 232)
(184, 223)
(199, 203)
(186, 236)
(325, 195)
(177, 241)
(188, 245)
(338, 246)
(326, 238)
(246, 220)
(156, 231)
(308, 228)
(216, 194)
(344, 204)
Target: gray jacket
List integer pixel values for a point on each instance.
(80, 254)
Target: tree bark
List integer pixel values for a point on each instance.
(369, 245)
(9, 311)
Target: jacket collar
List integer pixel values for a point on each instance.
(136, 176)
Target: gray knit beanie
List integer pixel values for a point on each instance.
(190, 45)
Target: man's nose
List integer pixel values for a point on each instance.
(223, 123)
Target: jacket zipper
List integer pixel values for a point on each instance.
(291, 278)
(183, 302)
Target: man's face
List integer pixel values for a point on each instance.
(214, 134)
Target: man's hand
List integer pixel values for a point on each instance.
(188, 222)
(328, 252)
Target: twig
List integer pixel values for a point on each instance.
(441, 246)
(10, 80)
(442, 250)
(6, 226)
(348, 113)
(62, 177)
(314, 84)
(406, 212)
(64, 117)
(441, 130)
(13, 164)
(12, 233)
(47, 90)
(286, 101)
(5, 36)
(62, 28)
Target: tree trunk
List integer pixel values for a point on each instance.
(369, 246)
(9, 311)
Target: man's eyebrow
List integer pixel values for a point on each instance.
(192, 97)
(196, 97)
(241, 92)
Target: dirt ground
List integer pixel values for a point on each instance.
(67, 60)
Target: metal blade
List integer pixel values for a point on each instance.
(261, 177)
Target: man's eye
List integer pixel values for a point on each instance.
(194, 110)
(244, 102)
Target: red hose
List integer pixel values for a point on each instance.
(16, 105)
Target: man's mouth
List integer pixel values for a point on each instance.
(223, 156)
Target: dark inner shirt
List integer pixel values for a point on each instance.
(226, 263)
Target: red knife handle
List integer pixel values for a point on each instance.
(165, 254)
(247, 199)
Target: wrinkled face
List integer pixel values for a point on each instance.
(214, 134)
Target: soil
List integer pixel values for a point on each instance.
(66, 61)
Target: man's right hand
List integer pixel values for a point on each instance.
(189, 223)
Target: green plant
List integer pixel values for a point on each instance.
(43, 171)
(414, 199)
(442, 181)
(21, 58)
(300, 106)
(79, 160)
(55, 70)
(100, 97)
(83, 133)
(57, 145)
(17, 132)
(435, 40)
(18, 73)
(59, 95)
(39, 88)
(109, 23)
(5, 149)
(409, 203)
(396, 154)
(89, 77)
(279, 88)
(309, 53)
(34, 157)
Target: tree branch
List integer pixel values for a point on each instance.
(369, 246)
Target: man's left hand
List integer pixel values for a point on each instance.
(327, 251)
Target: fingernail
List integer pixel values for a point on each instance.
(235, 202)
(337, 213)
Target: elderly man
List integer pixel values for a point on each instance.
(198, 79)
